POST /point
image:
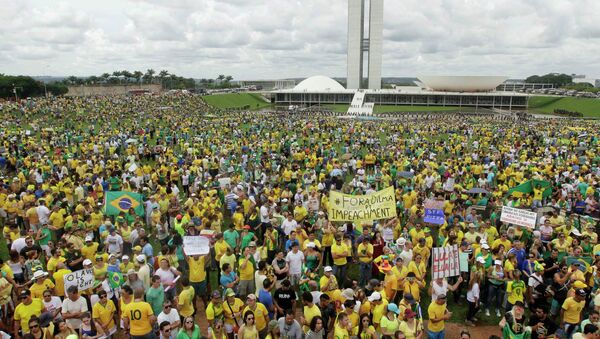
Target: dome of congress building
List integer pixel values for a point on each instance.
(319, 83)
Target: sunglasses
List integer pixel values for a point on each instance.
(250, 318)
(34, 326)
(167, 306)
(23, 297)
(189, 322)
(102, 296)
(167, 330)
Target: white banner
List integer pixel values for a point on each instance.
(83, 279)
(518, 217)
(445, 262)
(196, 245)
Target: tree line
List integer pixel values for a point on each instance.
(17, 87)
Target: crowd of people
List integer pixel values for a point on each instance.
(257, 185)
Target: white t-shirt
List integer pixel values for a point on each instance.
(172, 317)
(114, 243)
(53, 304)
(69, 306)
(473, 293)
(166, 276)
(43, 214)
(437, 290)
(288, 226)
(295, 261)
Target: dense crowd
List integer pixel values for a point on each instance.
(257, 184)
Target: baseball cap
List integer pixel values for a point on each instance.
(581, 292)
(89, 237)
(24, 293)
(252, 244)
(375, 296)
(251, 296)
(348, 294)
(141, 258)
(393, 308)
(125, 257)
(480, 260)
(408, 313)
(409, 298)
(137, 248)
(485, 246)
(229, 292)
(327, 269)
(216, 294)
(519, 304)
(497, 262)
(87, 262)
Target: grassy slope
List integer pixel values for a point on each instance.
(235, 100)
(589, 107)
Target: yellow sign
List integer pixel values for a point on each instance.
(374, 206)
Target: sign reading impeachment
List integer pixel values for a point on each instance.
(374, 206)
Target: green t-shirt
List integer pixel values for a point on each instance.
(156, 298)
(46, 236)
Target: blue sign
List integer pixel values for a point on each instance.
(434, 216)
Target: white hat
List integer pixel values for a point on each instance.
(125, 257)
(485, 246)
(89, 237)
(400, 241)
(480, 260)
(374, 296)
(482, 241)
(39, 274)
(497, 262)
(87, 262)
(327, 269)
(575, 232)
(284, 200)
(311, 245)
(140, 258)
(348, 294)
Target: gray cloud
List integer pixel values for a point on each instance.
(292, 38)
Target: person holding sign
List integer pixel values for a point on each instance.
(138, 317)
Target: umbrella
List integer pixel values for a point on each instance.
(477, 190)
(131, 140)
(336, 172)
(406, 174)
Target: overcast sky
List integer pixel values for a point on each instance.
(286, 38)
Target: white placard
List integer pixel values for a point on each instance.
(518, 217)
(445, 262)
(224, 182)
(196, 245)
(83, 279)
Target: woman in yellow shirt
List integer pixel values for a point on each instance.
(365, 329)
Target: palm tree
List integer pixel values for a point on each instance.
(149, 76)
(138, 76)
(72, 79)
(105, 76)
(127, 75)
(228, 78)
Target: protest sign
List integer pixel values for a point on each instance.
(463, 259)
(445, 262)
(83, 279)
(518, 217)
(224, 182)
(374, 206)
(196, 245)
(434, 211)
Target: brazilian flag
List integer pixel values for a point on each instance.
(115, 279)
(527, 187)
(121, 201)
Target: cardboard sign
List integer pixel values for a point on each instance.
(196, 245)
(224, 182)
(518, 217)
(83, 279)
(374, 206)
(434, 211)
(445, 262)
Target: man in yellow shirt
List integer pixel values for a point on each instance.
(138, 317)
(340, 252)
(438, 314)
(214, 309)
(365, 258)
(25, 310)
(198, 275)
(570, 312)
(261, 315)
(186, 298)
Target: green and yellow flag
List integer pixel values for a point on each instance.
(121, 201)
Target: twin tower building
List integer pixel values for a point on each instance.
(365, 36)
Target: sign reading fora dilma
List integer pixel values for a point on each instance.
(517, 216)
(83, 279)
(196, 245)
(374, 206)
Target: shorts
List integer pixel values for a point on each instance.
(294, 279)
(200, 288)
(246, 287)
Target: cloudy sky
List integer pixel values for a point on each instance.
(263, 39)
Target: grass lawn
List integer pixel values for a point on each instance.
(588, 106)
(236, 100)
(394, 108)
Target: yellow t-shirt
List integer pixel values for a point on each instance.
(340, 333)
(37, 290)
(436, 311)
(89, 252)
(52, 262)
(365, 250)
(572, 310)
(186, 301)
(309, 313)
(138, 313)
(214, 311)
(197, 270)
(24, 312)
(378, 311)
(229, 309)
(104, 314)
(260, 313)
(246, 273)
(338, 250)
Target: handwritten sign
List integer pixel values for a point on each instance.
(196, 245)
(83, 279)
(434, 211)
(445, 262)
(518, 217)
(374, 206)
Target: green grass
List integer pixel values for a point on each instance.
(401, 108)
(236, 100)
(588, 106)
